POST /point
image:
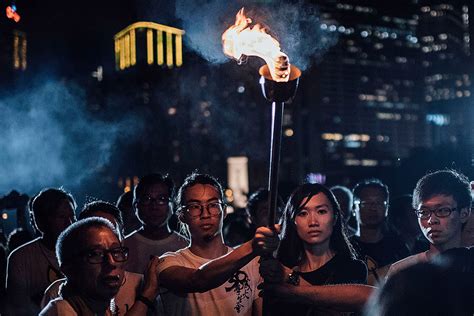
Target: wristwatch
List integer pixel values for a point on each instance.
(294, 278)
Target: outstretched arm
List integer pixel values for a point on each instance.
(216, 272)
(340, 297)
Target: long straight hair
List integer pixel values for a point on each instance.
(291, 251)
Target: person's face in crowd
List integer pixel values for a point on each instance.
(372, 208)
(468, 232)
(93, 276)
(59, 219)
(153, 206)
(315, 221)
(206, 219)
(445, 231)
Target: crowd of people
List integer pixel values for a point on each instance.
(333, 251)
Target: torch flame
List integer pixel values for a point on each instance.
(241, 40)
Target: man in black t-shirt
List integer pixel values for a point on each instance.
(375, 244)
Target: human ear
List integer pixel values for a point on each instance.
(464, 214)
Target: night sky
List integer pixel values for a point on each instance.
(68, 40)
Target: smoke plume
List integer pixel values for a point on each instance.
(295, 25)
(49, 138)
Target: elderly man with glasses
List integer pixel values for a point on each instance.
(91, 256)
(152, 203)
(208, 277)
(442, 202)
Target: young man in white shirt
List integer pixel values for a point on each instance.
(152, 202)
(198, 284)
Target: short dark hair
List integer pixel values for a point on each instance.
(443, 182)
(259, 196)
(101, 206)
(370, 183)
(341, 193)
(69, 240)
(291, 249)
(197, 178)
(342, 189)
(48, 200)
(152, 179)
(125, 198)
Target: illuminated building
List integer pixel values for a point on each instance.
(19, 50)
(398, 79)
(150, 43)
(148, 64)
(445, 58)
(363, 104)
(13, 46)
(13, 53)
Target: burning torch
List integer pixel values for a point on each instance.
(279, 81)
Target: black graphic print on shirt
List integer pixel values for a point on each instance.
(239, 284)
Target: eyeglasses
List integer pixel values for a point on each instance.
(196, 209)
(95, 256)
(425, 213)
(148, 200)
(372, 203)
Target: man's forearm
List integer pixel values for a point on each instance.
(216, 272)
(343, 297)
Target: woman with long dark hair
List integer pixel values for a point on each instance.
(314, 250)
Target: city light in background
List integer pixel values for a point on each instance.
(95, 95)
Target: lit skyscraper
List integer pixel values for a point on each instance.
(397, 79)
(445, 46)
(365, 101)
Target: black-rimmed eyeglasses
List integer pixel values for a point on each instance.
(96, 256)
(196, 209)
(425, 213)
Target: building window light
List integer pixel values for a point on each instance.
(438, 119)
(388, 116)
(369, 162)
(378, 45)
(332, 136)
(289, 132)
(352, 162)
(401, 60)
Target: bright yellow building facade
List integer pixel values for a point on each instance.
(164, 45)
